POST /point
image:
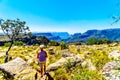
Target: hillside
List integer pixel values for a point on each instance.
(111, 34)
(58, 36)
(81, 62)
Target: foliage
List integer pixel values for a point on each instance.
(76, 43)
(85, 74)
(98, 54)
(42, 40)
(61, 74)
(53, 43)
(18, 43)
(63, 45)
(92, 41)
(68, 65)
(7, 44)
(13, 29)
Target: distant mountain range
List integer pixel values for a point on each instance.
(111, 34)
(58, 36)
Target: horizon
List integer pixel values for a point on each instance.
(72, 16)
(66, 31)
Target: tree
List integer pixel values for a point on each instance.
(53, 43)
(63, 45)
(13, 29)
(91, 41)
(42, 39)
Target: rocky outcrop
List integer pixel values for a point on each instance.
(18, 68)
(115, 55)
(109, 71)
(75, 60)
(66, 53)
(88, 64)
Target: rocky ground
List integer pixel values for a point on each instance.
(102, 58)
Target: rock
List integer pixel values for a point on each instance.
(109, 71)
(87, 53)
(15, 47)
(101, 48)
(75, 60)
(18, 68)
(88, 64)
(84, 64)
(2, 54)
(114, 44)
(56, 65)
(27, 57)
(66, 53)
(115, 54)
(51, 51)
(30, 61)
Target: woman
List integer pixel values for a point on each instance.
(42, 56)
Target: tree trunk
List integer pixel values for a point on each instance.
(6, 57)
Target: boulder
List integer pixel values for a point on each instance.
(30, 61)
(2, 54)
(109, 71)
(51, 51)
(114, 44)
(115, 54)
(88, 64)
(18, 68)
(66, 53)
(75, 60)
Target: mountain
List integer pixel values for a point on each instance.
(62, 35)
(58, 36)
(111, 34)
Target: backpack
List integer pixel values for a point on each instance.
(42, 56)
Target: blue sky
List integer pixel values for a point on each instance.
(62, 15)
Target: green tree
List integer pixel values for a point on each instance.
(13, 29)
(91, 41)
(42, 39)
(53, 43)
(63, 45)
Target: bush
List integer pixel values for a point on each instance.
(92, 41)
(63, 45)
(61, 74)
(7, 44)
(85, 74)
(19, 43)
(53, 43)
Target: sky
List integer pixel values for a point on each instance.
(71, 16)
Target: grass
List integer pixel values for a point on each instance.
(98, 54)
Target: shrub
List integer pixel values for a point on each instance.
(63, 45)
(53, 43)
(7, 44)
(85, 74)
(18, 43)
(61, 74)
(91, 41)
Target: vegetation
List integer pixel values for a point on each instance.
(53, 43)
(63, 45)
(92, 41)
(13, 29)
(97, 54)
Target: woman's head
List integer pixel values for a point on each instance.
(41, 46)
